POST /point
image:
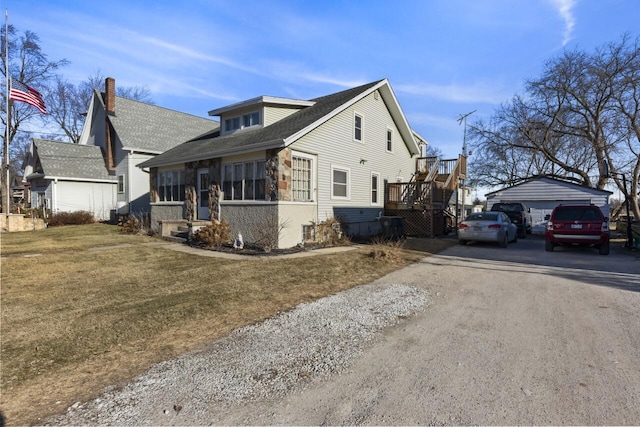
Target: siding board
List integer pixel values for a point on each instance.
(333, 142)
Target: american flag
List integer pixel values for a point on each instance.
(23, 93)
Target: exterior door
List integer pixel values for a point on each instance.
(203, 194)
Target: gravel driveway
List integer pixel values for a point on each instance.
(475, 335)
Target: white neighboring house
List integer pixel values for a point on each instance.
(66, 177)
(285, 164)
(129, 132)
(99, 172)
(542, 194)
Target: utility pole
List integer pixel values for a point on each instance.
(463, 120)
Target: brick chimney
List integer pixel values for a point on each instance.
(110, 95)
(110, 107)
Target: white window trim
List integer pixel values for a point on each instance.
(377, 202)
(353, 131)
(124, 183)
(313, 175)
(348, 171)
(240, 118)
(386, 140)
(255, 178)
(181, 178)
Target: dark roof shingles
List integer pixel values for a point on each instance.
(276, 132)
(149, 128)
(67, 160)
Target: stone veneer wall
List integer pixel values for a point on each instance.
(278, 165)
(153, 185)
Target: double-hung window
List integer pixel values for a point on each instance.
(171, 186)
(389, 140)
(120, 184)
(244, 180)
(375, 188)
(340, 183)
(302, 178)
(357, 127)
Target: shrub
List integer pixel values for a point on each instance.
(266, 233)
(217, 233)
(389, 251)
(132, 225)
(71, 218)
(329, 232)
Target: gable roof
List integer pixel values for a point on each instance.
(286, 131)
(554, 181)
(152, 129)
(64, 160)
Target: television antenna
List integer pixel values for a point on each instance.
(463, 119)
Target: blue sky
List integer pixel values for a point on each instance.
(443, 58)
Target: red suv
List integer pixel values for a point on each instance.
(578, 225)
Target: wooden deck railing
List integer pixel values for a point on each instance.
(429, 190)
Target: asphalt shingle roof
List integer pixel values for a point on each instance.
(152, 129)
(275, 133)
(67, 160)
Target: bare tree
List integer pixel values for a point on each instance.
(69, 103)
(28, 64)
(66, 108)
(577, 121)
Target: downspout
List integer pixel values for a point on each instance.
(54, 197)
(128, 178)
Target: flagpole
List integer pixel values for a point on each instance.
(6, 136)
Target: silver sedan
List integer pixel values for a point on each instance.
(488, 227)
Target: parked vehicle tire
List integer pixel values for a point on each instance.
(548, 246)
(522, 233)
(515, 238)
(462, 242)
(505, 241)
(604, 249)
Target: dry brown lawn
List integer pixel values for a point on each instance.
(75, 320)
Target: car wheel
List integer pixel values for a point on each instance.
(515, 238)
(462, 242)
(548, 246)
(523, 234)
(505, 241)
(604, 249)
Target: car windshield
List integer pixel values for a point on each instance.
(483, 216)
(578, 213)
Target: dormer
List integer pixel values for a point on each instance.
(256, 113)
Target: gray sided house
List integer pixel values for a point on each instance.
(542, 194)
(282, 165)
(66, 177)
(129, 132)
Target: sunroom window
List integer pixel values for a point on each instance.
(244, 180)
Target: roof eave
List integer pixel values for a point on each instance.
(153, 163)
(293, 138)
(68, 178)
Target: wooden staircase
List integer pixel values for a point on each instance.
(422, 202)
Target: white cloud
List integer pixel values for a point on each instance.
(565, 10)
(346, 83)
(478, 92)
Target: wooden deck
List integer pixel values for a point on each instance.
(423, 200)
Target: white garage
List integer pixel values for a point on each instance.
(542, 194)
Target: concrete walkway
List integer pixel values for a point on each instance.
(178, 247)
